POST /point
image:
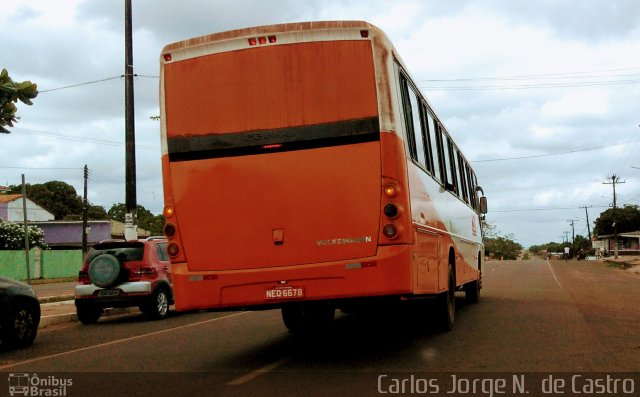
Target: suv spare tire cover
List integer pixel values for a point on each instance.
(104, 270)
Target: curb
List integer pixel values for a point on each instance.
(54, 319)
(55, 299)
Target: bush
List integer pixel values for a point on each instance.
(12, 236)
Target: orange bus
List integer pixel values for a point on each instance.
(304, 170)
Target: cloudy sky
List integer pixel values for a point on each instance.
(542, 96)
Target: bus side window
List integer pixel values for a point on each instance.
(449, 181)
(418, 136)
(434, 153)
(406, 108)
(425, 136)
(462, 181)
(472, 194)
(456, 170)
(454, 173)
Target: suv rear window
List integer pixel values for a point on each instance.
(124, 252)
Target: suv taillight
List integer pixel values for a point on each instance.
(83, 275)
(145, 270)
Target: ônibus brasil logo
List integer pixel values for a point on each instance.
(33, 385)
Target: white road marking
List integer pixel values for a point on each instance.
(260, 371)
(115, 342)
(554, 274)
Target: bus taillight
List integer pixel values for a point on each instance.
(169, 230)
(173, 250)
(390, 211)
(390, 231)
(168, 211)
(261, 40)
(389, 190)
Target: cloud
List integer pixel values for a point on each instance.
(508, 78)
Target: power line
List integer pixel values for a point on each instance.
(81, 84)
(545, 209)
(541, 76)
(97, 81)
(537, 76)
(530, 86)
(554, 154)
(78, 138)
(40, 168)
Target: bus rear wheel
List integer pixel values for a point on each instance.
(446, 305)
(472, 292)
(307, 318)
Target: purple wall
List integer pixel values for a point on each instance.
(4, 212)
(70, 233)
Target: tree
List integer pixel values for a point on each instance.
(57, 197)
(12, 236)
(61, 200)
(11, 92)
(96, 213)
(581, 242)
(626, 219)
(500, 246)
(146, 219)
(549, 247)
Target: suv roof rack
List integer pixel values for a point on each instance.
(155, 238)
(112, 241)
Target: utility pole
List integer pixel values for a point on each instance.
(614, 180)
(566, 237)
(131, 221)
(26, 229)
(85, 210)
(573, 230)
(588, 226)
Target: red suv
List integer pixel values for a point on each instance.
(125, 274)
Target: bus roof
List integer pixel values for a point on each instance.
(299, 32)
(267, 29)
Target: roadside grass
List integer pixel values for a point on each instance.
(618, 265)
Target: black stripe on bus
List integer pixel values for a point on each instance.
(276, 140)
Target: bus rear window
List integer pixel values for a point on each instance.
(261, 96)
(270, 88)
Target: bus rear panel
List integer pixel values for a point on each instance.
(273, 172)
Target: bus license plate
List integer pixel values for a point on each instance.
(109, 292)
(288, 292)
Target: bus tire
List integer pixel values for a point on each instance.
(307, 318)
(472, 292)
(446, 305)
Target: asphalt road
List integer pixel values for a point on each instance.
(533, 317)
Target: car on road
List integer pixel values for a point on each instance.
(122, 273)
(19, 314)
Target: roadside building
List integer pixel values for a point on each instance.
(628, 243)
(12, 210)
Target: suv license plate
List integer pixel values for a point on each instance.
(109, 292)
(288, 292)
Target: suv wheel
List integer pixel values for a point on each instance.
(88, 314)
(20, 327)
(158, 306)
